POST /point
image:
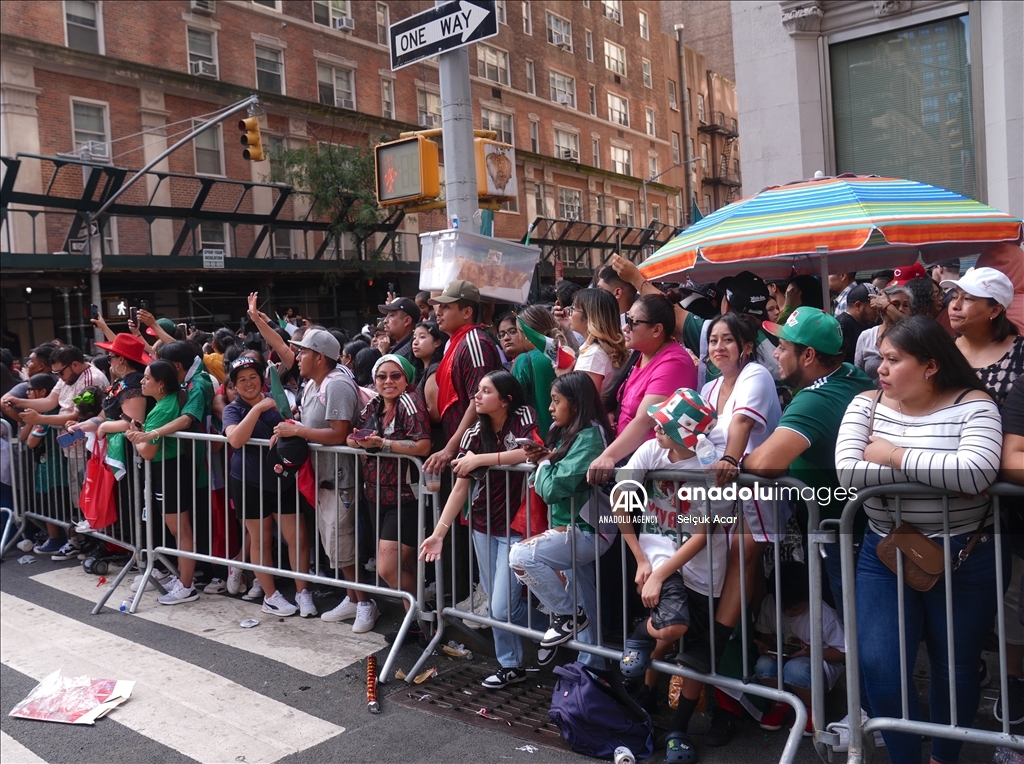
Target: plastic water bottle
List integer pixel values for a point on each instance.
(125, 604)
(706, 455)
(1006, 756)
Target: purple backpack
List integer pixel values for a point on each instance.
(596, 715)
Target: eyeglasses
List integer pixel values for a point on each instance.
(632, 322)
(393, 376)
(572, 309)
(59, 372)
(511, 332)
(659, 429)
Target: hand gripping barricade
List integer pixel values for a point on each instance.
(610, 619)
(46, 487)
(196, 533)
(1006, 498)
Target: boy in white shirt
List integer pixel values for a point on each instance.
(674, 576)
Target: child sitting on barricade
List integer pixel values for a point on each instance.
(669, 541)
(796, 640)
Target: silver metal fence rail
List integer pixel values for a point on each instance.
(13, 520)
(447, 581)
(184, 472)
(957, 729)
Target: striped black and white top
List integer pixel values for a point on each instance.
(956, 448)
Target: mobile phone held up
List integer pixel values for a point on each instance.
(94, 311)
(133, 314)
(66, 440)
(527, 442)
(363, 434)
(143, 304)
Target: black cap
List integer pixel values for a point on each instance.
(859, 293)
(403, 304)
(700, 299)
(746, 293)
(288, 455)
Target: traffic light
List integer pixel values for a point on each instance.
(250, 127)
(407, 171)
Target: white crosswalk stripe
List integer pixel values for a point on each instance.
(15, 753)
(203, 705)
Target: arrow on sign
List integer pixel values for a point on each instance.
(441, 29)
(463, 20)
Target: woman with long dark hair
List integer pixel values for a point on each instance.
(932, 423)
(580, 432)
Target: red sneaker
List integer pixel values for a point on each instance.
(775, 716)
(809, 727)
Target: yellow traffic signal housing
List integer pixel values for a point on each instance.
(407, 171)
(495, 169)
(250, 128)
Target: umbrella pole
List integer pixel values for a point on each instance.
(823, 263)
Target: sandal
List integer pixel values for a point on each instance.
(679, 749)
(635, 656)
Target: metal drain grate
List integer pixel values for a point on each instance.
(457, 694)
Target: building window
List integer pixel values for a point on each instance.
(492, 64)
(274, 5)
(645, 26)
(328, 12)
(676, 159)
(559, 32)
(207, 146)
(655, 212)
(673, 102)
(689, 105)
(387, 98)
(595, 148)
(82, 23)
(534, 138)
(383, 22)
(652, 166)
(622, 160)
(567, 146)
(933, 140)
(586, 3)
(701, 116)
(614, 58)
(282, 244)
(618, 110)
(624, 214)
(336, 86)
(499, 122)
(89, 125)
(428, 106)
(269, 70)
(649, 114)
(693, 167)
(612, 10)
(202, 56)
(538, 198)
(570, 204)
(531, 79)
(512, 205)
(212, 236)
(704, 159)
(645, 65)
(593, 99)
(563, 89)
(274, 146)
(527, 18)
(588, 38)
(707, 204)
(501, 8)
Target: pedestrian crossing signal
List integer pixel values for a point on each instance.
(250, 127)
(407, 171)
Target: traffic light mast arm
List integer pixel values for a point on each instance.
(436, 133)
(247, 103)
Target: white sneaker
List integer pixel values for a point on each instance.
(160, 576)
(344, 611)
(179, 594)
(255, 591)
(236, 580)
(84, 527)
(216, 586)
(476, 603)
(304, 600)
(842, 727)
(366, 616)
(276, 604)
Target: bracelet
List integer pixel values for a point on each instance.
(891, 454)
(731, 460)
(442, 522)
(386, 446)
(499, 458)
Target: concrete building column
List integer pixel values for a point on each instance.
(153, 116)
(1002, 26)
(19, 132)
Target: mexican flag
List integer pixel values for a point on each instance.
(561, 357)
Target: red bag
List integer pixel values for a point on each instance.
(538, 512)
(98, 500)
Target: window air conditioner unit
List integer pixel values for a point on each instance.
(614, 15)
(427, 120)
(203, 68)
(344, 23)
(557, 38)
(564, 98)
(347, 103)
(572, 154)
(95, 150)
(206, 7)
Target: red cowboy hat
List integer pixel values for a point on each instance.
(127, 346)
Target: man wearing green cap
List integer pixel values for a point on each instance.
(810, 356)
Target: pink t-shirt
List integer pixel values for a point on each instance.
(671, 369)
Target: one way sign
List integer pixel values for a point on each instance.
(445, 27)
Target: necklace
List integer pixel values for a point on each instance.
(903, 422)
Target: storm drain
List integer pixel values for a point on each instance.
(520, 710)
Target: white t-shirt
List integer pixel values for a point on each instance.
(796, 630)
(754, 396)
(666, 528)
(91, 377)
(595, 359)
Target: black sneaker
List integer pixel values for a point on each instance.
(722, 729)
(1015, 694)
(546, 655)
(503, 677)
(561, 629)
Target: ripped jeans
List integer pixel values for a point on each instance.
(540, 556)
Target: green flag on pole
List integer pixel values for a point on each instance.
(696, 212)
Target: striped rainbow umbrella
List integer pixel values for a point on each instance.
(865, 222)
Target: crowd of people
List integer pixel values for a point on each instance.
(903, 377)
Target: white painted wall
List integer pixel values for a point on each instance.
(1002, 29)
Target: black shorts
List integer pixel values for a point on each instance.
(389, 523)
(247, 499)
(164, 480)
(700, 618)
(673, 606)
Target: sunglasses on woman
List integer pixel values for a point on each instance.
(632, 322)
(393, 376)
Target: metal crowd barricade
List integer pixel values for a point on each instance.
(13, 520)
(956, 729)
(46, 489)
(609, 648)
(213, 451)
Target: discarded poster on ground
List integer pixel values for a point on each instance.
(73, 699)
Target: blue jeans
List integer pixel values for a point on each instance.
(504, 592)
(539, 557)
(834, 570)
(974, 608)
(796, 672)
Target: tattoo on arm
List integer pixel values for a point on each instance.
(404, 443)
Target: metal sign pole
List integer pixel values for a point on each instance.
(457, 125)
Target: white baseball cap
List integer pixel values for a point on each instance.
(984, 282)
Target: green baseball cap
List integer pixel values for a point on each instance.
(460, 289)
(683, 416)
(809, 326)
